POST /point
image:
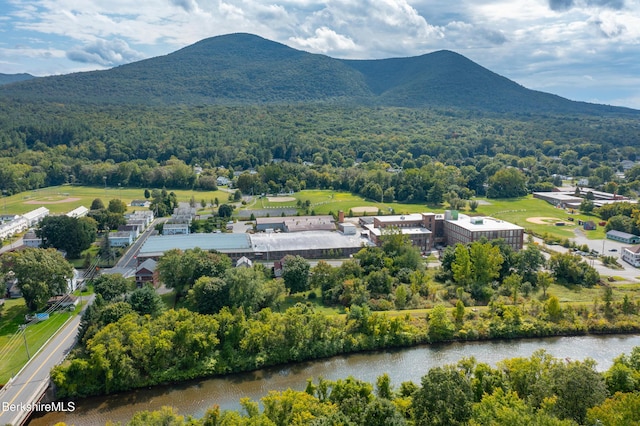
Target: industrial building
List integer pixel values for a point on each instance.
(261, 246)
(296, 223)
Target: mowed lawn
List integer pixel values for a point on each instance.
(64, 198)
(61, 199)
(13, 353)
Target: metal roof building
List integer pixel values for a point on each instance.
(261, 246)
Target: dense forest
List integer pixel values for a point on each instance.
(297, 147)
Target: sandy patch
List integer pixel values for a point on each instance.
(365, 209)
(280, 199)
(66, 200)
(543, 220)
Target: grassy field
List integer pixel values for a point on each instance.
(516, 210)
(62, 199)
(13, 354)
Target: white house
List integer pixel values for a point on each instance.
(120, 239)
(15, 226)
(631, 255)
(35, 216)
(79, 212)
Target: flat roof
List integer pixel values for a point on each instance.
(401, 217)
(305, 240)
(487, 224)
(621, 234)
(415, 230)
(158, 244)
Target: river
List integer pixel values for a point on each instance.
(193, 398)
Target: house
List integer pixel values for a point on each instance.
(134, 229)
(120, 239)
(623, 237)
(589, 225)
(147, 273)
(31, 240)
(222, 181)
(64, 301)
(81, 211)
(15, 226)
(631, 255)
(35, 216)
(176, 228)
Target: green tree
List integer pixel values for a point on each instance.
(507, 183)
(146, 301)
(622, 409)
(69, 234)
(440, 326)
(179, 270)
(208, 295)
(97, 204)
(571, 269)
(225, 210)
(110, 286)
(445, 398)
(528, 262)
(117, 206)
(295, 273)
(41, 273)
(246, 288)
(461, 266)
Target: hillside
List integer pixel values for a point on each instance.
(242, 69)
(12, 78)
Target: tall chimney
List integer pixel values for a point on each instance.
(340, 216)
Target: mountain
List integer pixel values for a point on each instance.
(12, 78)
(247, 69)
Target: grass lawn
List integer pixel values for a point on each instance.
(64, 198)
(12, 348)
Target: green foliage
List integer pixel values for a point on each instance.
(41, 273)
(571, 269)
(146, 301)
(507, 183)
(110, 286)
(445, 398)
(295, 273)
(440, 326)
(70, 234)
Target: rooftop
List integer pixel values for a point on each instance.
(477, 223)
(316, 240)
(157, 245)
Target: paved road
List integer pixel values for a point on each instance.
(128, 262)
(29, 385)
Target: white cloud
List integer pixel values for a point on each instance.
(105, 53)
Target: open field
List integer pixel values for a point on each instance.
(61, 199)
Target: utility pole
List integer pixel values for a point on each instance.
(23, 327)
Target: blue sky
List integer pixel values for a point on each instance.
(587, 50)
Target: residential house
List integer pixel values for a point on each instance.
(631, 255)
(147, 273)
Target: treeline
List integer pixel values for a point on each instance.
(539, 390)
(128, 349)
(50, 144)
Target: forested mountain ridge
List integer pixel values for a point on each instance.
(12, 78)
(242, 69)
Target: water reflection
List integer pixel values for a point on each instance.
(195, 397)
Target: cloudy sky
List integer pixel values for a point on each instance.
(586, 50)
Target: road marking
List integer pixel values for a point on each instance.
(41, 365)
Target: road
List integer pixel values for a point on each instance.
(28, 386)
(128, 263)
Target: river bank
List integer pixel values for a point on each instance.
(194, 397)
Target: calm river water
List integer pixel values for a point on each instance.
(195, 397)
